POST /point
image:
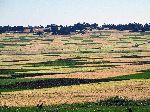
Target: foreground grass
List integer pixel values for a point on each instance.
(78, 109)
(114, 104)
(131, 89)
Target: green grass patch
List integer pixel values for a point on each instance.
(59, 62)
(10, 40)
(24, 39)
(144, 75)
(129, 51)
(95, 36)
(135, 37)
(69, 108)
(77, 38)
(2, 45)
(20, 80)
(123, 42)
(14, 71)
(141, 34)
(70, 43)
(50, 40)
(9, 85)
(87, 40)
(20, 39)
(114, 104)
(88, 52)
(17, 73)
(145, 33)
(69, 62)
(140, 40)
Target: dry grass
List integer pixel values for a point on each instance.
(132, 89)
(104, 73)
(108, 49)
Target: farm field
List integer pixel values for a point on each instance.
(74, 69)
(114, 104)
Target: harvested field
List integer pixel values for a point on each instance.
(131, 89)
(74, 68)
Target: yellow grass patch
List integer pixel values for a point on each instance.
(132, 89)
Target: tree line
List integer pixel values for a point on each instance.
(76, 28)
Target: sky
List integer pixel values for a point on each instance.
(69, 12)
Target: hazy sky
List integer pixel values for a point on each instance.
(66, 12)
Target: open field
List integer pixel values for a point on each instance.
(114, 104)
(131, 89)
(79, 56)
(73, 69)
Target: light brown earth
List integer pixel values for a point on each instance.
(131, 89)
(112, 72)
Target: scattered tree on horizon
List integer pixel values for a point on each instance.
(79, 27)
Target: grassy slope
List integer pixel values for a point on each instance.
(78, 109)
(114, 104)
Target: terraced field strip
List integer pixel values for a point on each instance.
(131, 89)
(16, 84)
(114, 104)
(104, 73)
(44, 55)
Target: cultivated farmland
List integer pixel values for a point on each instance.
(72, 69)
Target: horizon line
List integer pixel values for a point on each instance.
(80, 23)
